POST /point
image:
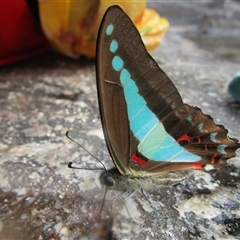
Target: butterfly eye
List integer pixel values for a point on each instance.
(108, 181)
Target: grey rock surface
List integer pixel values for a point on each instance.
(43, 97)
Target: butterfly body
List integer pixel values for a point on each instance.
(148, 129)
(130, 184)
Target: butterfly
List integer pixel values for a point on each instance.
(147, 127)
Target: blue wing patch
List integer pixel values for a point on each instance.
(155, 143)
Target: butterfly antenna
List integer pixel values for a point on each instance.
(70, 163)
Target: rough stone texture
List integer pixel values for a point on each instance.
(43, 97)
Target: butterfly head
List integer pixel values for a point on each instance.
(107, 179)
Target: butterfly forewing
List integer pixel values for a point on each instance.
(147, 127)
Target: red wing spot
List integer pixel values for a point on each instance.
(206, 147)
(198, 139)
(213, 158)
(184, 137)
(197, 166)
(139, 160)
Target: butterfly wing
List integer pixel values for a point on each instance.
(147, 127)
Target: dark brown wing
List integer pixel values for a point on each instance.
(119, 46)
(120, 141)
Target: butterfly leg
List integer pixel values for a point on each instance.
(127, 195)
(115, 198)
(103, 201)
(155, 210)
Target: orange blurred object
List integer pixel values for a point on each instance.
(152, 28)
(71, 26)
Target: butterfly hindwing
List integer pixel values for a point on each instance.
(147, 127)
